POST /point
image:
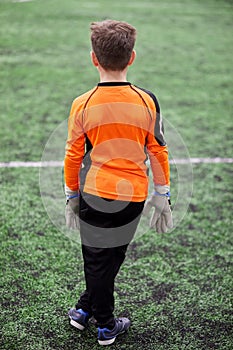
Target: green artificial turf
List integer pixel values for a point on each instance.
(177, 287)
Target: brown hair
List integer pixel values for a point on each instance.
(113, 43)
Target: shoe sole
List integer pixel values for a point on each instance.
(111, 341)
(76, 324)
(107, 342)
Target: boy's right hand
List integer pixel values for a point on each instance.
(72, 213)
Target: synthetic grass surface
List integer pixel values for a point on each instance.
(176, 288)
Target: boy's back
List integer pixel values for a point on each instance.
(115, 121)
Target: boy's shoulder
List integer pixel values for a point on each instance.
(148, 95)
(81, 99)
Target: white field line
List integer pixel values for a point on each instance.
(21, 0)
(201, 160)
(43, 164)
(53, 164)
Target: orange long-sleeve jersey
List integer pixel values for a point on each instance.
(112, 129)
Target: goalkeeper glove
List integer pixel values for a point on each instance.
(72, 209)
(161, 219)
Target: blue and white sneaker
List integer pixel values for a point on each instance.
(79, 318)
(107, 336)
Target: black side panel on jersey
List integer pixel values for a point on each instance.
(86, 164)
(159, 128)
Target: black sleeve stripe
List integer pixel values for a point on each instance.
(159, 128)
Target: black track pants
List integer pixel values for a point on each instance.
(106, 229)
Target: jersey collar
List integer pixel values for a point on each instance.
(114, 83)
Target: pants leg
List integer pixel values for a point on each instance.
(101, 266)
(100, 285)
(84, 303)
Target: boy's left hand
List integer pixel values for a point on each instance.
(161, 219)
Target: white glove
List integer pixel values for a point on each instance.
(161, 219)
(72, 209)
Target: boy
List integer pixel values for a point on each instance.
(111, 130)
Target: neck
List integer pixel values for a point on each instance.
(107, 76)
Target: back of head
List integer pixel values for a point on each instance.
(113, 43)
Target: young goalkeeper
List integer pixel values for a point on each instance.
(112, 130)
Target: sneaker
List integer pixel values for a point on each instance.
(107, 336)
(79, 318)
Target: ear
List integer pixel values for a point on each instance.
(132, 58)
(94, 59)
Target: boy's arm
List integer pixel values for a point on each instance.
(158, 154)
(156, 145)
(72, 163)
(74, 154)
(161, 219)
